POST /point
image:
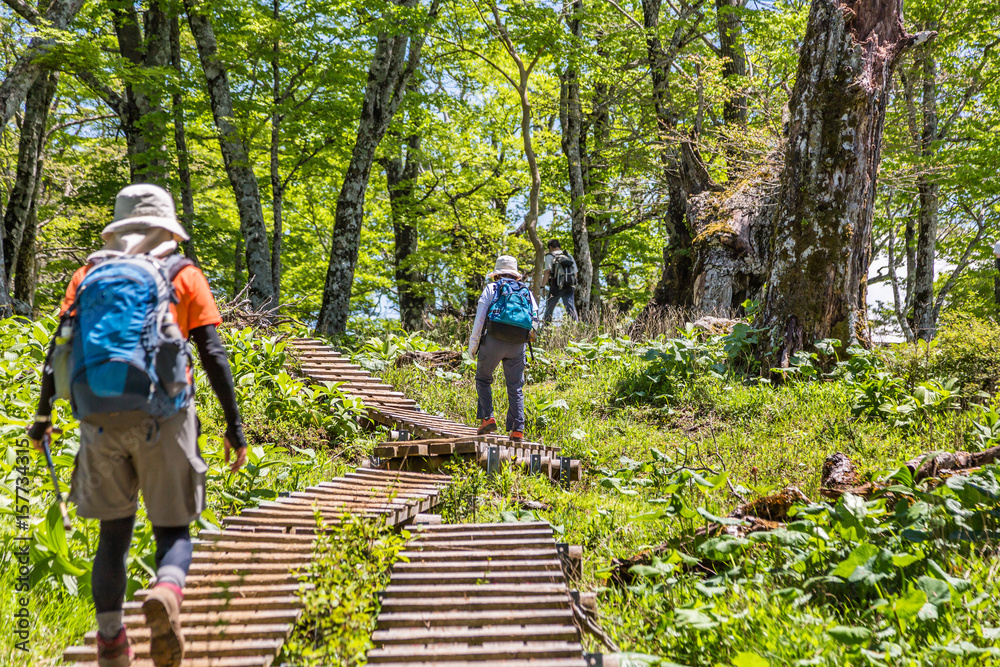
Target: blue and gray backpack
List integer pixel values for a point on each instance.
(120, 347)
(511, 316)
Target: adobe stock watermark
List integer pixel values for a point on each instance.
(22, 621)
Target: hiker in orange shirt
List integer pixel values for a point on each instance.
(128, 314)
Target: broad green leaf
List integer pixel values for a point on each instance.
(749, 659)
(861, 555)
(850, 635)
(910, 604)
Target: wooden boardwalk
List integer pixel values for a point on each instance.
(437, 436)
(240, 601)
(478, 594)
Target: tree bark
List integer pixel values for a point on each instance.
(924, 313)
(822, 236)
(277, 187)
(29, 152)
(676, 284)
(26, 278)
(180, 143)
(574, 149)
(401, 172)
(27, 67)
(141, 110)
(236, 158)
(394, 63)
(734, 64)
(239, 282)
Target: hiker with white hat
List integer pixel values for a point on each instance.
(504, 326)
(121, 357)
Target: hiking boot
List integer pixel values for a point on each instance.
(115, 652)
(163, 616)
(488, 426)
(516, 437)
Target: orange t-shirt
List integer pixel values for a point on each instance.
(196, 307)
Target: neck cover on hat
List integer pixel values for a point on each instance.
(137, 239)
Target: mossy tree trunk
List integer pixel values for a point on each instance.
(574, 147)
(822, 229)
(401, 173)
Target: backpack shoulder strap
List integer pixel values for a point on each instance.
(175, 264)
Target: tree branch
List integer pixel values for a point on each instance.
(24, 10)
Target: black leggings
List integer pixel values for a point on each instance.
(109, 578)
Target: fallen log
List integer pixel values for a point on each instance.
(442, 358)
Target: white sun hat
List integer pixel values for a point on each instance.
(506, 265)
(142, 206)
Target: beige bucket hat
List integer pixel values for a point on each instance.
(142, 206)
(507, 266)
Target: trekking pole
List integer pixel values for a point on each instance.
(46, 445)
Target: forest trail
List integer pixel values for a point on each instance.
(442, 437)
(480, 593)
(240, 601)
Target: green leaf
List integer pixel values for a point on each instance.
(910, 604)
(850, 635)
(938, 592)
(749, 659)
(858, 557)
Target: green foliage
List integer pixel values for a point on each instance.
(339, 593)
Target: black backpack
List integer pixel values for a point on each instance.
(563, 271)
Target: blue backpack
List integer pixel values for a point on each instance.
(511, 316)
(121, 349)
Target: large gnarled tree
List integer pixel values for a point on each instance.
(822, 226)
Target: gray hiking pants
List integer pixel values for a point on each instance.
(491, 353)
(567, 296)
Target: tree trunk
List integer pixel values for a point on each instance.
(142, 113)
(574, 149)
(236, 158)
(676, 284)
(239, 282)
(393, 64)
(734, 63)
(401, 172)
(27, 67)
(924, 319)
(180, 142)
(531, 221)
(816, 280)
(26, 278)
(277, 187)
(29, 151)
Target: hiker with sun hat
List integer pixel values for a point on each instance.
(121, 357)
(503, 327)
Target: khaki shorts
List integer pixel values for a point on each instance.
(124, 452)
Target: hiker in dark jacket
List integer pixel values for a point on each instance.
(490, 350)
(128, 450)
(555, 259)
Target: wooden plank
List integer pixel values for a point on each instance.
(466, 565)
(468, 604)
(479, 577)
(433, 619)
(244, 661)
(196, 649)
(484, 590)
(204, 633)
(478, 635)
(497, 651)
(247, 618)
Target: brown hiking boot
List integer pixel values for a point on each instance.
(488, 426)
(516, 437)
(163, 616)
(115, 652)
